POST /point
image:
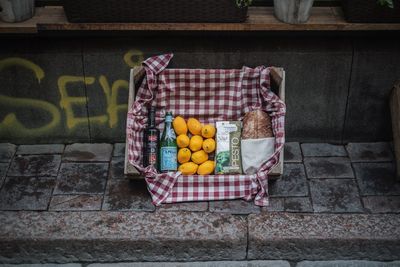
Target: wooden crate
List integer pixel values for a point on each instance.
(137, 75)
(395, 114)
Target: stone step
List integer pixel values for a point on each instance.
(261, 263)
(100, 236)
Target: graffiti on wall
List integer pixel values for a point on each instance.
(10, 123)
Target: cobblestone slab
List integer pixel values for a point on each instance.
(296, 237)
(186, 206)
(328, 168)
(275, 204)
(292, 183)
(234, 206)
(335, 195)
(377, 179)
(117, 168)
(121, 236)
(298, 204)
(82, 178)
(292, 153)
(88, 152)
(3, 171)
(119, 150)
(323, 150)
(7, 151)
(382, 204)
(198, 264)
(341, 263)
(360, 152)
(76, 202)
(123, 195)
(40, 149)
(37, 165)
(26, 193)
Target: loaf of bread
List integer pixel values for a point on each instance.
(257, 124)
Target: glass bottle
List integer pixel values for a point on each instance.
(168, 147)
(151, 141)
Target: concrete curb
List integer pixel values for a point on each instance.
(62, 237)
(199, 264)
(66, 237)
(324, 236)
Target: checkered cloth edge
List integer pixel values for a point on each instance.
(209, 95)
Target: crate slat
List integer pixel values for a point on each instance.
(395, 114)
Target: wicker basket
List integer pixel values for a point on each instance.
(370, 11)
(154, 11)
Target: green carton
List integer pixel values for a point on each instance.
(228, 155)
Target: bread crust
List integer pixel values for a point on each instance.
(257, 124)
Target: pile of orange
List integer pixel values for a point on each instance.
(194, 149)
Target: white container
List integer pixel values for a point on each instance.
(293, 11)
(16, 10)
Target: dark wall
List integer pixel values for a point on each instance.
(55, 89)
(254, 2)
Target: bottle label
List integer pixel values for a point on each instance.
(153, 159)
(152, 150)
(152, 138)
(170, 134)
(168, 159)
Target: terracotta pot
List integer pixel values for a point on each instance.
(293, 11)
(16, 10)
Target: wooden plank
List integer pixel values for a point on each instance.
(43, 15)
(395, 112)
(28, 26)
(278, 75)
(260, 19)
(136, 74)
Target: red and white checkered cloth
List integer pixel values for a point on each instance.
(209, 95)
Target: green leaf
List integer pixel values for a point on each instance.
(243, 3)
(388, 3)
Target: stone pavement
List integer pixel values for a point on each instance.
(352, 189)
(277, 263)
(318, 178)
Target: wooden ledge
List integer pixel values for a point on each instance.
(260, 19)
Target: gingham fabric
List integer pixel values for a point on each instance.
(209, 95)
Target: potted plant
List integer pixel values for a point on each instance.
(293, 11)
(371, 10)
(16, 10)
